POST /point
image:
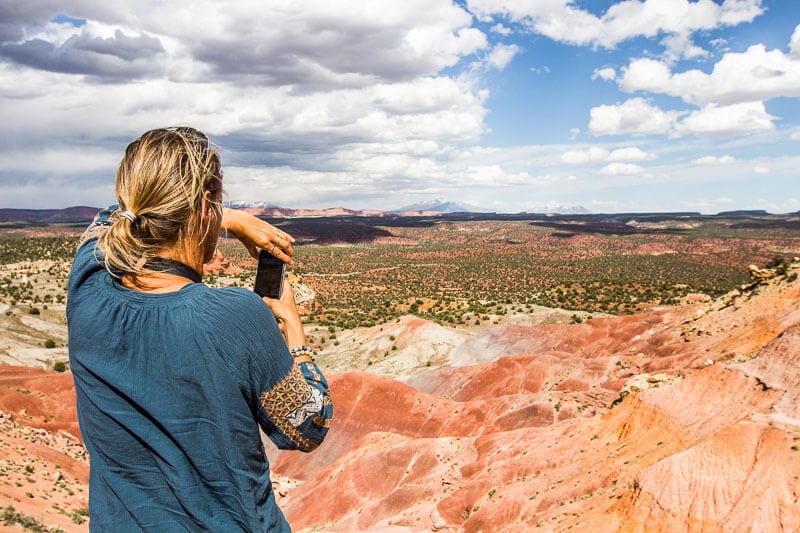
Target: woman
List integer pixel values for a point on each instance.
(173, 379)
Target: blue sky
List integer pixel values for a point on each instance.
(511, 105)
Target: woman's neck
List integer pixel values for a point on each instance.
(167, 280)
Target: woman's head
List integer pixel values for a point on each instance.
(169, 189)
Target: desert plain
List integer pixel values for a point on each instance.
(523, 372)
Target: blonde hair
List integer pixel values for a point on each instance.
(160, 185)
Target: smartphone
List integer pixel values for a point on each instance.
(269, 276)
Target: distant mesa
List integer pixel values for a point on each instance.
(48, 216)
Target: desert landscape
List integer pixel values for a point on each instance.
(489, 372)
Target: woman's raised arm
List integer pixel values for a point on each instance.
(255, 233)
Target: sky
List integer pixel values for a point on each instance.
(507, 105)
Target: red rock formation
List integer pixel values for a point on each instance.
(39, 398)
(220, 265)
(532, 441)
(522, 432)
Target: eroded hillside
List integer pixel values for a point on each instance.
(705, 436)
(677, 419)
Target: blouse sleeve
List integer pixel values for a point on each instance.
(299, 407)
(294, 406)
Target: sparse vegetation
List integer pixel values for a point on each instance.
(463, 271)
(12, 517)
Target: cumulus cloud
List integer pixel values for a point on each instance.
(794, 43)
(120, 56)
(680, 46)
(714, 160)
(502, 30)
(635, 116)
(756, 74)
(579, 157)
(736, 118)
(606, 73)
(640, 117)
(730, 98)
(314, 44)
(501, 55)
(633, 153)
(621, 169)
(353, 91)
(598, 153)
(314, 103)
(562, 21)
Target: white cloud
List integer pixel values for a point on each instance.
(737, 118)
(756, 74)
(42, 161)
(500, 29)
(680, 46)
(309, 44)
(639, 117)
(714, 160)
(351, 92)
(634, 116)
(606, 73)
(633, 153)
(795, 136)
(501, 55)
(761, 169)
(579, 157)
(600, 154)
(794, 43)
(562, 21)
(621, 169)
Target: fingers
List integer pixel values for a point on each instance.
(279, 244)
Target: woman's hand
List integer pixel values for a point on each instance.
(254, 233)
(287, 316)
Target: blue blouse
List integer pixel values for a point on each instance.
(171, 390)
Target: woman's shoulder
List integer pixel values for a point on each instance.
(239, 312)
(234, 298)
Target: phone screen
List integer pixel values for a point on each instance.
(269, 276)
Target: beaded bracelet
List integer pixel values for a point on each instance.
(303, 350)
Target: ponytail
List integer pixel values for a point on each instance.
(159, 186)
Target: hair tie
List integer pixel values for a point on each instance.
(127, 214)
